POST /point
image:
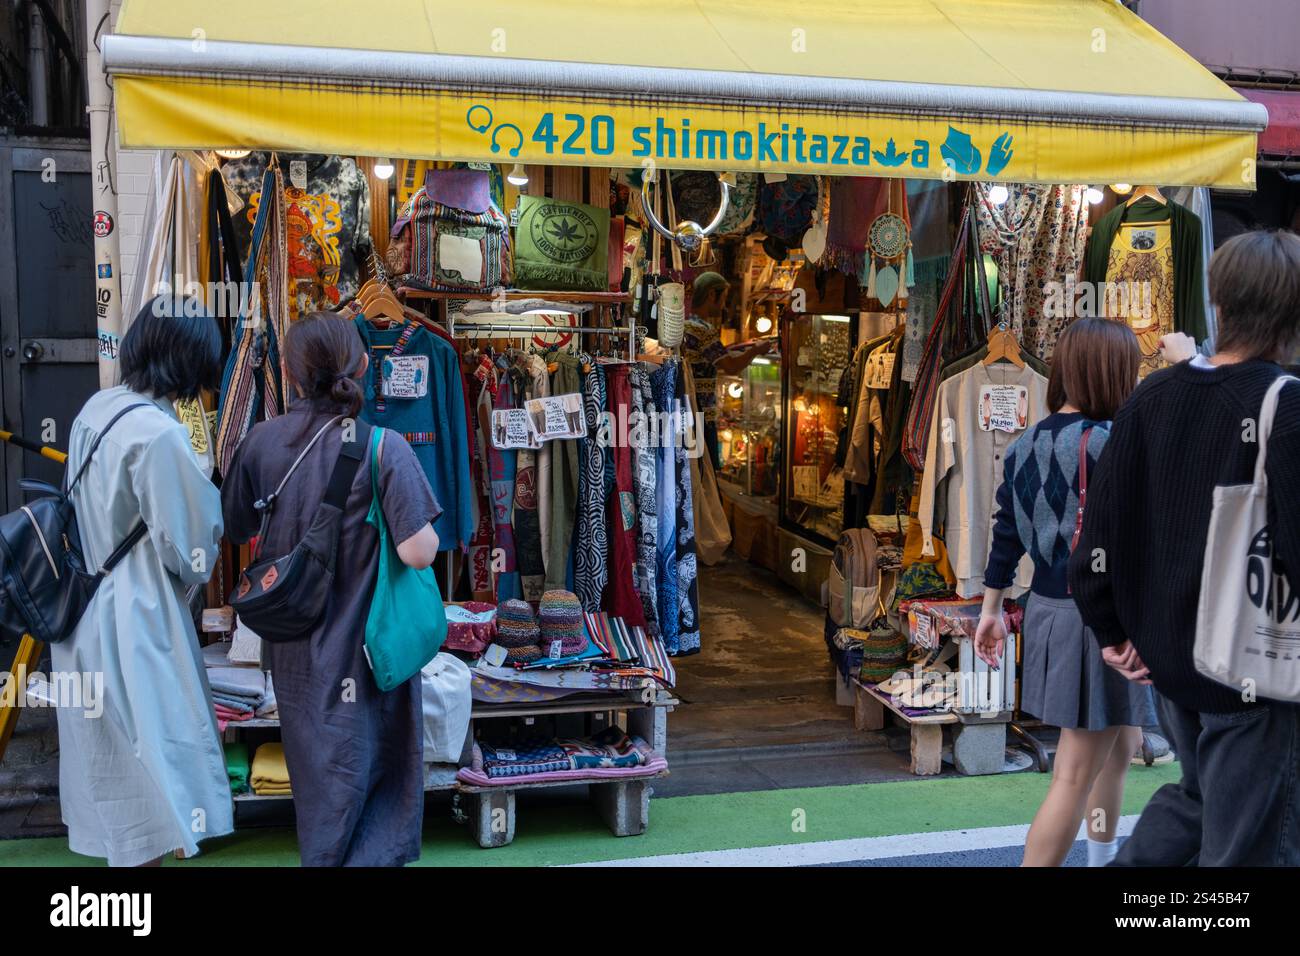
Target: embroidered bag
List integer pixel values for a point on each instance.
(452, 237)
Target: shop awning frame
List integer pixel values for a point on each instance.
(283, 63)
(1077, 91)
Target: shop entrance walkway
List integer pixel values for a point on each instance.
(759, 707)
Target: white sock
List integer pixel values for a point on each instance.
(1099, 854)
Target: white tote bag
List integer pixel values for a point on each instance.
(445, 690)
(1248, 621)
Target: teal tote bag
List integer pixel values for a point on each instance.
(407, 622)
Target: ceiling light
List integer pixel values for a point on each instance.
(763, 324)
(384, 168)
(517, 176)
(1092, 195)
(233, 153)
(1122, 189)
(998, 194)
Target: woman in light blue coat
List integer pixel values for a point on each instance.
(141, 769)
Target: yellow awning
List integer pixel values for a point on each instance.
(1077, 91)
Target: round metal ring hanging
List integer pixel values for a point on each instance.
(688, 234)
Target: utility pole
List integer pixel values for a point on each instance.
(108, 284)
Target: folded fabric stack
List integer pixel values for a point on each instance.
(611, 753)
(517, 631)
(240, 693)
(562, 634)
(237, 768)
(270, 773)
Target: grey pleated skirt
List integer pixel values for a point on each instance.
(1064, 681)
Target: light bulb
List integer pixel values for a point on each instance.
(233, 153)
(735, 390)
(384, 168)
(1122, 189)
(517, 176)
(1092, 195)
(998, 194)
(763, 325)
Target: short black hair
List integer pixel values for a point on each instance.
(173, 348)
(1255, 284)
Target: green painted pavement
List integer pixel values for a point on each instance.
(552, 835)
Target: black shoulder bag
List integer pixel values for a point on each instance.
(282, 599)
(44, 584)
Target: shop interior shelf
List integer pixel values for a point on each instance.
(512, 295)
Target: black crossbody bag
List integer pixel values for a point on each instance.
(282, 599)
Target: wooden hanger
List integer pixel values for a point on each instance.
(385, 307)
(1147, 192)
(1004, 347)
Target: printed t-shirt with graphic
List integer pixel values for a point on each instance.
(327, 224)
(1140, 287)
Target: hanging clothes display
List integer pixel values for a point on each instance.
(621, 598)
(526, 518)
(1181, 266)
(1197, 199)
(414, 387)
(978, 413)
(1036, 238)
(591, 538)
(645, 474)
(327, 209)
(566, 379)
(252, 386)
(688, 599)
(853, 201)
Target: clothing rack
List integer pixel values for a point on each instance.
(531, 328)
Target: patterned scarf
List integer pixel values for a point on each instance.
(590, 570)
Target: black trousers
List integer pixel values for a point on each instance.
(1238, 803)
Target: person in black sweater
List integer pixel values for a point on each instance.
(1136, 572)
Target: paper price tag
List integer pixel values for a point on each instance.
(495, 655)
(1003, 408)
(298, 174)
(557, 649)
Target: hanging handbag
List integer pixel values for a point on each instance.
(282, 599)
(1247, 619)
(407, 622)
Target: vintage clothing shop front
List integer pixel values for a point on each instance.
(908, 229)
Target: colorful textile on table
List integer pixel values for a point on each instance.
(611, 749)
(884, 651)
(561, 245)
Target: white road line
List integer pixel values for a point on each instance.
(844, 851)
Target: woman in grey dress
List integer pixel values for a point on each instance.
(1064, 680)
(354, 753)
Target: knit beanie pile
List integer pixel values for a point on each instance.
(561, 620)
(516, 626)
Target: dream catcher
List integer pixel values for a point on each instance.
(889, 250)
